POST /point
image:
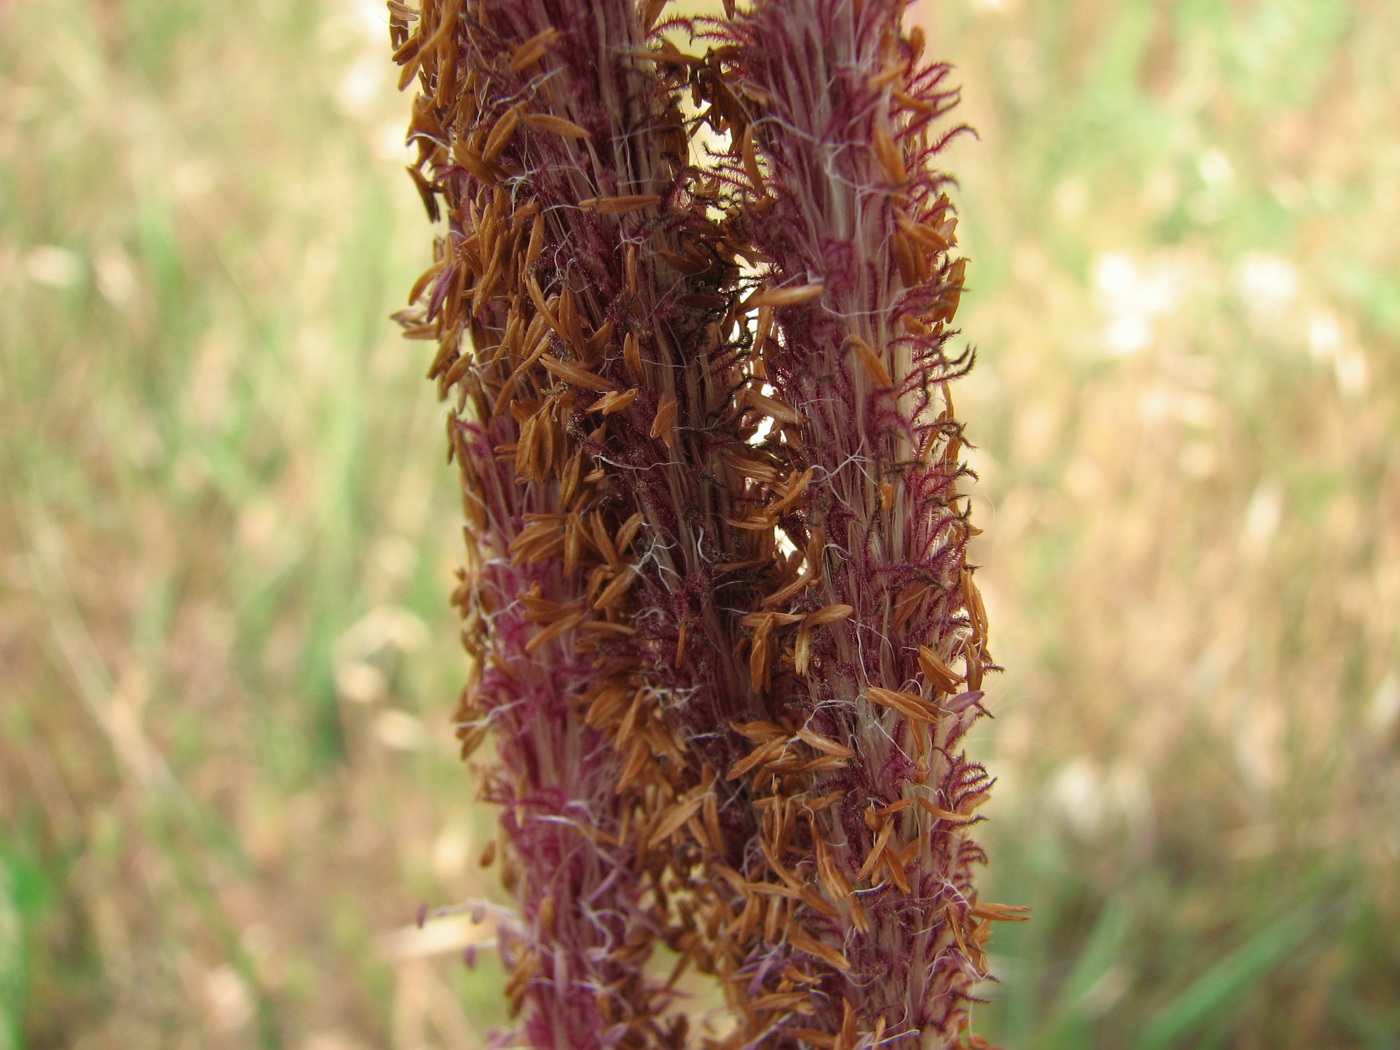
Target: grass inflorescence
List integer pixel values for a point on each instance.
(724, 631)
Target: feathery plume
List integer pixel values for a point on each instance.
(500, 148)
(723, 629)
(878, 647)
(584, 305)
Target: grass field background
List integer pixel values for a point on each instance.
(227, 536)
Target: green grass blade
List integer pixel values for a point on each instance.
(1221, 985)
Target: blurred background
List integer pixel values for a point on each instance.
(227, 774)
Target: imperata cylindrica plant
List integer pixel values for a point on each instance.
(692, 302)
